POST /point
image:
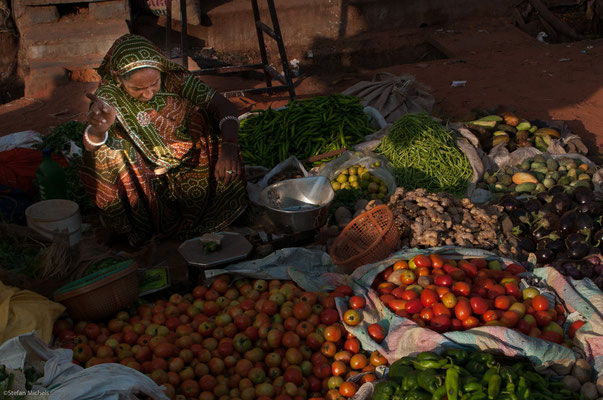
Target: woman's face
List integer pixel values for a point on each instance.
(143, 84)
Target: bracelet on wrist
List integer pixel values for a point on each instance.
(228, 118)
(87, 137)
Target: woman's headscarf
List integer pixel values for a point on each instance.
(131, 52)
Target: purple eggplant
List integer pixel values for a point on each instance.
(557, 245)
(509, 203)
(527, 244)
(583, 195)
(578, 251)
(561, 203)
(545, 256)
(532, 205)
(574, 238)
(556, 189)
(567, 223)
(584, 224)
(598, 238)
(540, 233)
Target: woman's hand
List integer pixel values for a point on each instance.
(100, 117)
(228, 167)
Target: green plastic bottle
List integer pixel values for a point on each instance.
(50, 178)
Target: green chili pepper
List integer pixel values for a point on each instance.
(405, 361)
(494, 386)
(430, 364)
(489, 373)
(508, 374)
(478, 396)
(428, 355)
(429, 381)
(439, 394)
(452, 383)
(472, 387)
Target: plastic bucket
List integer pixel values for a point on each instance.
(50, 217)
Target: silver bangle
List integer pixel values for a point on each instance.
(228, 117)
(95, 143)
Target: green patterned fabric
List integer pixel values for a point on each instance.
(131, 52)
(155, 173)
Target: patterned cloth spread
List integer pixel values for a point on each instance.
(154, 175)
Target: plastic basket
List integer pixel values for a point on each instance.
(368, 238)
(101, 294)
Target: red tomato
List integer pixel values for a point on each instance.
(502, 302)
(409, 295)
(469, 269)
(402, 313)
(513, 290)
(540, 303)
(387, 272)
(429, 297)
(352, 345)
(456, 324)
(345, 290)
(448, 267)
(385, 287)
(543, 318)
(443, 280)
(427, 314)
(523, 326)
(449, 300)
(402, 264)
(397, 305)
(386, 298)
(351, 317)
(422, 261)
(357, 302)
(397, 292)
(461, 289)
(490, 315)
(480, 263)
(414, 306)
(441, 309)
(441, 323)
(470, 322)
(376, 332)
(496, 290)
(509, 319)
(441, 291)
(458, 274)
(436, 260)
(462, 310)
(479, 305)
(515, 269)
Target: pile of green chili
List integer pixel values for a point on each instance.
(304, 128)
(424, 155)
(462, 375)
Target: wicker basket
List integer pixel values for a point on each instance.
(368, 238)
(101, 294)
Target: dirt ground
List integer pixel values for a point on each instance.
(501, 65)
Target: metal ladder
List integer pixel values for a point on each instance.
(269, 72)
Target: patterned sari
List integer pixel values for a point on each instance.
(155, 173)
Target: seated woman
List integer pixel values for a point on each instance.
(154, 159)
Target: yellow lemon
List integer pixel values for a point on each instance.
(342, 178)
(355, 185)
(335, 185)
(353, 178)
(345, 185)
(353, 170)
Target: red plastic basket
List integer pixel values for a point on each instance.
(368, 238)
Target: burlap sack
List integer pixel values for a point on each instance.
(393, 96)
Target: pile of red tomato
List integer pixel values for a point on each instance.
(246, 339)
(448, 295)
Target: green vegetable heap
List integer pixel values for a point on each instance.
(462, 375)
(59, 141)
(305, 128)
(424, 155)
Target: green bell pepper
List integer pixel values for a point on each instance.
(410, 381)
(429, 381)
(418, 394)
(483, 358)
(387, 388)
(398, 371)
(458, 356)
(476, 368)
(406, 361)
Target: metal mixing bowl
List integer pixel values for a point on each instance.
(298, 205)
